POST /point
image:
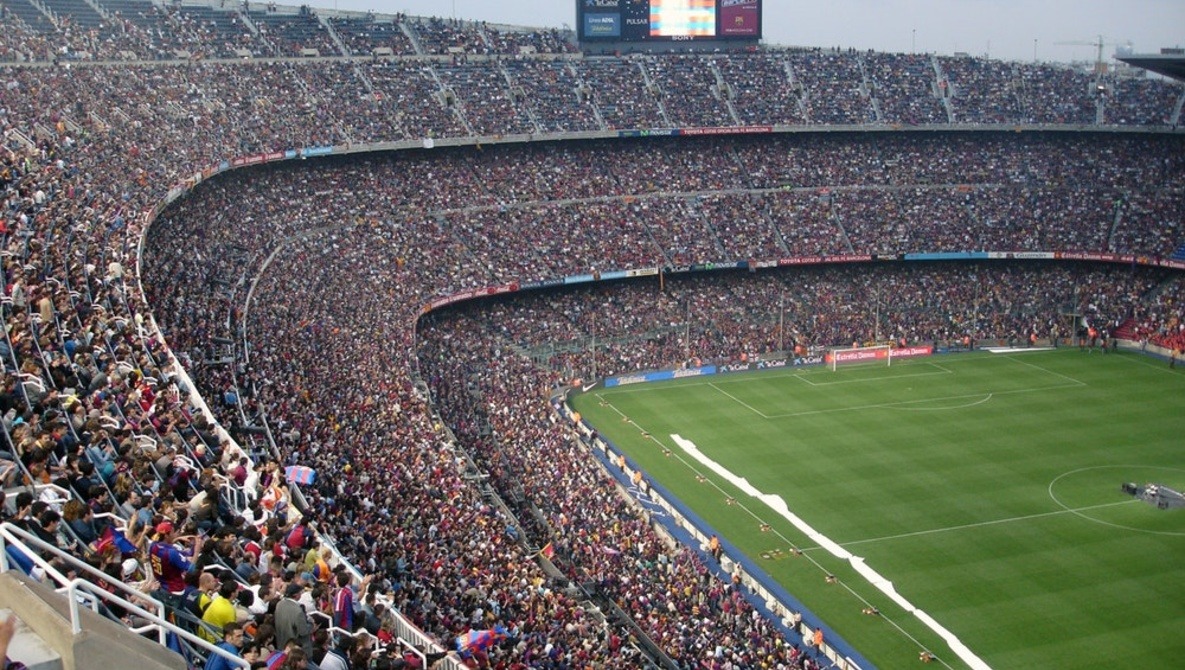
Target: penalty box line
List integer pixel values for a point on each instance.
(742, 403)
(944, 371)
(1047, 371)
(909, 402)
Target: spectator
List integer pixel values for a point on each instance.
(292, 623)
(169, 564)
(232, 640)
(221, 610)
(338, 658)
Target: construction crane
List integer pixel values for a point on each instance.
(1100, 68)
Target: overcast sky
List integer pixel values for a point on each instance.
(1002, 29)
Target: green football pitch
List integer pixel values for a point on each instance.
(985, 487)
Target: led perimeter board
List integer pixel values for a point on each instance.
(668, 20)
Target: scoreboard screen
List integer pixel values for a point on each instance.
(668, 20)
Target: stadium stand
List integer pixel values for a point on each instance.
(425, 441)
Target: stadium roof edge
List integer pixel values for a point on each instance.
(1169, 65)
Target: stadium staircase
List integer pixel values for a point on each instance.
(795, 86)
(327, 25)
(695, 210)
(724, 91)
(1100, 106)
(869, 91)
(1116, 221)
(584, 94)
(414, 37)
(1126, 330)
(251, 26)
(32, 14)
(656, 92)
(518, 95)
(942, 92)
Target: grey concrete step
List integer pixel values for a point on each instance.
(30, 648)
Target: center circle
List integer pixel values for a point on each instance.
(1137, 473)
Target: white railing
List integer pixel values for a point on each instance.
(79, 591)
(449, 661)
(32, 547)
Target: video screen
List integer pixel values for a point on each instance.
(672, 18)
(668, 20)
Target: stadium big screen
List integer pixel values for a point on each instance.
(668, 20)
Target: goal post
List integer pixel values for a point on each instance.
(881, 353)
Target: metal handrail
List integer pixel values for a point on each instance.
(450, 661)
(31, 546)
(79, 590)
(162, 626)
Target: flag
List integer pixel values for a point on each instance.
(476, 641)
(547, 551)
(116, 538)
(300, 474)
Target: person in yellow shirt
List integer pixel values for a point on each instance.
(221, 610)
(311, 556)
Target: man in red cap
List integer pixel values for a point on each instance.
(169, 564)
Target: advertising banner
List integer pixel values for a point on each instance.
(602, 25)
(660, 375)
(739, 18)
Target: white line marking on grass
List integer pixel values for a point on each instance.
(979, 524)
(939, 409)
(1078, 512)
(778, 505)
(1046, 370)
(620, 413)
(1147, 361)
(738, 400)
(901, 404)
(865, 380)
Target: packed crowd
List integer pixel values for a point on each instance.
(362, 35)
(486, 102)
(296, 33)
(93, 403)
(738, 316)
(560, 101)
(1160, 319)
(754, 102)
(141, 30)
(691, 89)
(905, 87)
(983, 89)
(421, 514)
(431, 248)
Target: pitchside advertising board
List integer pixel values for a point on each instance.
(668, 20)
(878, 354)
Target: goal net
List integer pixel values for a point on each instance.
(878, 355)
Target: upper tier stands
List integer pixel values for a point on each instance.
(766, 87)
